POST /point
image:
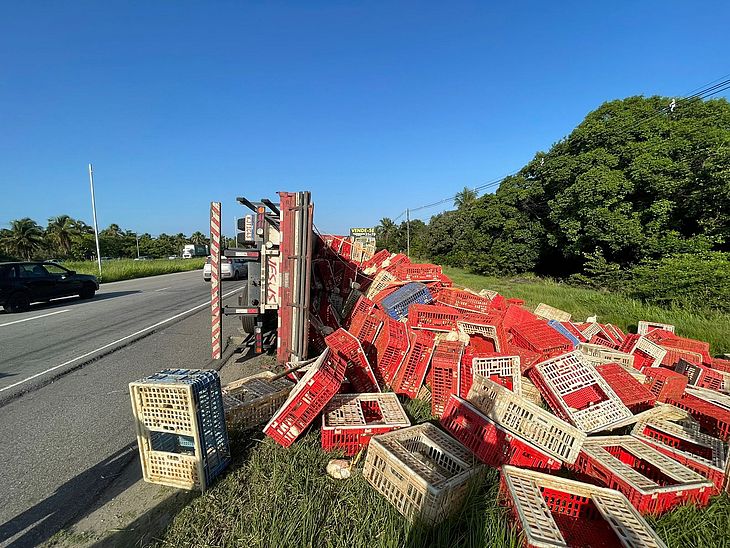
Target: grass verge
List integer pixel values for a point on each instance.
(276, 497)
(127, 269)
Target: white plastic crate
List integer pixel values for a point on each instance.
(597, 354)
(547, 312)
(569, 385)
(712, 396)
(536, 498)
(526, 420)
(253, 400)
(381, 281)
(645, 327)
(660, 411)
(502, 366)
(602, 458)
(530, 391)
(422, 471)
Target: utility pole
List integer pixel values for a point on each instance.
(136, 235)
(93, 210)
(408, 232)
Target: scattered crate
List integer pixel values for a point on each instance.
(712, 396)
(632, 393)
(422, 471)
(365, 328)
(515, 315)
(391, 264)
(564, 331)
(492, 444)
(530, 391)
(573, 330)
(653, 482)
(464, 300)
(410, 375)
(350, 420)
(539, 337)
(181, 427)
(348, 350)
(699, 452)
(555, 512)
(547, 312)
(645, 327)
(500, 368)
(577, 393)
(523, 418)
(433, 318)
(381, 281)
(307, 398)
(374, 262)
(665, 384)
(417, 272)
(700, 375)
(396, 304)
(646, 352)
(683, 343)
(528, 358)
(446, 374)
(361, 307)
(597, 354)
(391, 347)
(483, 325)
(253, 400)
(720, 364)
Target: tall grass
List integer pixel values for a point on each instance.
(127, 269)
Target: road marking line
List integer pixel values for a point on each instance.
(162, 289)
(69, 362)
(34, 317)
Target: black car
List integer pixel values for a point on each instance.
(25, 283)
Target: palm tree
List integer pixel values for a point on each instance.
(61, 231)
(197, 238)
(23, 239)
(465, 198)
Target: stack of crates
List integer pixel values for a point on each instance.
(181, 427)
(492, 444)
(525, 420)
(396, 304)
(576, 392)
(422, 471)
(697, 451)
(652, 481)
(446, 374)
(350, 420)
(254, 400)
(553, 511)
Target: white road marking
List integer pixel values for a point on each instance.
(158, 324)
(162, 289)
(34, 317)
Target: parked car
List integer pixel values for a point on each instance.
(231, 269)
(23, 283)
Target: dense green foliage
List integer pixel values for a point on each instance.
(634, 189)
(68, 238)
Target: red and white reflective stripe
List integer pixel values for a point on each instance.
(215, 279)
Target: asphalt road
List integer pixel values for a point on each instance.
(64, 441)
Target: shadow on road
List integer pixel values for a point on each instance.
(79, 494)
(66, 301)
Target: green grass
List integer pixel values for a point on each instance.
(127, 269)
(615, 308)
(276, 497)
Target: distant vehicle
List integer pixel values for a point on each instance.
(143, 258)
(191, 250)
(172, 257)
(231, 269)
(23, 283)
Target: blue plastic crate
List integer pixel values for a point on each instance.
(396, 304)
(560, 328)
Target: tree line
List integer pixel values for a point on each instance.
(64, 237)
(636, 198)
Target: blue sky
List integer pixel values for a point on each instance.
(373, 106)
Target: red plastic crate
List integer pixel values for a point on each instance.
(539, 337)
(528, 358)
(464, 300)
(600, 338)
(516, 315)
(670, 340)
(714, 419)
(365, 328)
(646, 352)
(720, 364)
(570, 326)
(653, 482)
(700, 375)
(350, 420)
(665, 384)
(414, 272)
(697, 451)
(487, 326)
(673, 355)
(376, 260)
(348, 349)
(445, 373)
(557, 512)
(391, 347)
(492, 444)
(391, 264)
(433, 318)
(634, 394)
(363, 307)
(410, 375)
(307, 399)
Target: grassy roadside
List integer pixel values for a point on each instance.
(127, 269)
(276, 497)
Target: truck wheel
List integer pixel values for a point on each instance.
(18, 302)
(248, 323)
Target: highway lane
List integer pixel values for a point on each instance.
(65, 442)
(70, 331)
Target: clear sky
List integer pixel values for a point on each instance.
(373, 106)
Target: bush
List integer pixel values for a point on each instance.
(685, 280)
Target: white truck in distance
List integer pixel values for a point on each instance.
(192, 250)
